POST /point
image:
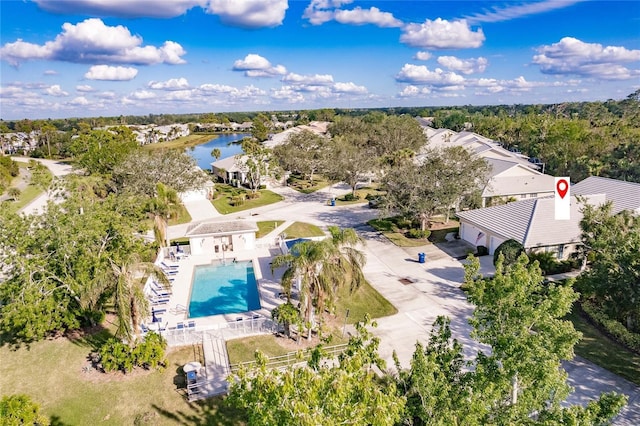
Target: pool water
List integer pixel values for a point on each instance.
(223, 289)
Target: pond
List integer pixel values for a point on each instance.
(224, 142)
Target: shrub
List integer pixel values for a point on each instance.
(482, 251)
(350, 197)
(20, 410)
(382, 225)
(418, 233)
(547, 261)
(115, 355)
(403, 222)
(253, 195)
(510, 249)
(611, 327)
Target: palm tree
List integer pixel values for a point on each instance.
(322, 267)
(164, 205)
(216, 153)
(131, 304)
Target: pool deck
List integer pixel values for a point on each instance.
(175, 311)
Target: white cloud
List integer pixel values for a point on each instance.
(465, 66)
(255, 66)
(171, 84)
(120, 8)
(50, 72)
(521, 10)
(574, 57)
(84, 88)
(106, 95)
(288, 94)
(311, 80)
(55, 90)
(422, 56)
(414, 91)
(373, 15)
(420, 74)
(442, 34)
(92, 41)
(320, 11)
(106, 72)
(349, 88)
(79, 101)
(142, 95)
(249, 13)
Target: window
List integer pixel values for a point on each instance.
(560, 254)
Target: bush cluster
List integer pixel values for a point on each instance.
(115, 355)
(550, 265)
(418, 233)
(350, 197)
(613, 328)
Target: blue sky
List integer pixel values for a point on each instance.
(77, 58)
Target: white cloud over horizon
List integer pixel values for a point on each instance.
(256, 66)
(571, 56)
(465, 66)
(109, 73)
(171, 84)
(442, 34)
(91, 41)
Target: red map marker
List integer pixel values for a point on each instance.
(562, 186)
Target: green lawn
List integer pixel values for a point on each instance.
(303, 230)
(243, 349)
(264, 227)
(601, 350)
(365, 299)
(225, 195)
(390, 228)
(306, 186)
(362, 194)
(52, 374)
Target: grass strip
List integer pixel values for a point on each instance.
(601, 350)
(303, 230)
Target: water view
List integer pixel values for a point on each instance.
(224, 142)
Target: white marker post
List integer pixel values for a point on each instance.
(562, 199)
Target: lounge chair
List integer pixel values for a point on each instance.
(156, 302)
(180, 326)
(144, 328)
(160, 293)
(168, 266)
(170, 271)
(191, 324)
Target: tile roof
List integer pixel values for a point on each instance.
(624, 195)
(230, 164)
(531, 222)
(220, 228)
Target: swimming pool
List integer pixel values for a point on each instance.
(223, 289)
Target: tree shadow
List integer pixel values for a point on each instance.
(210, 412)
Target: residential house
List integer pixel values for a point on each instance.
(530, 222)
(512, 176)
(623, 195)
(317, 127)
(222, 238)
(230, 169)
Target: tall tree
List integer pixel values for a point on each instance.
(303, 152)
(171, 167)
(130, 301)
(99, 151)
(348, 392)
(439, 182)
(261, 127)
(164, 206)
(520, 318)
(349, 162)
(320, 268)
(612, 243)
(255, 162)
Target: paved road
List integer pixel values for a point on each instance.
(58, 169)
(434, 290)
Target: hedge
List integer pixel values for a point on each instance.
(612, 328)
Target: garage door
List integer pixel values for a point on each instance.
(471, 234)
